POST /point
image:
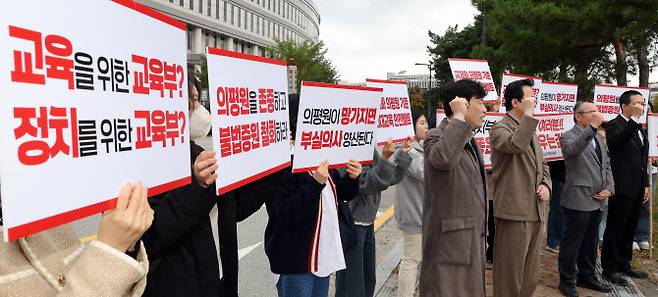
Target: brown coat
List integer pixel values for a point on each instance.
(54, 263)
(454, 213)
(514, 161)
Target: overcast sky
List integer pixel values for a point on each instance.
(367, 38)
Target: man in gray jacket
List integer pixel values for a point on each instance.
(588, 184)
(358, 279)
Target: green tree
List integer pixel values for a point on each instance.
(310, 58)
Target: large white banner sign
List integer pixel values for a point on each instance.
(249, 110)
(477, 70)
(557, 97)
(336, 123)
(510, 77)
(395, 119)
(94, 94)
(606, 98)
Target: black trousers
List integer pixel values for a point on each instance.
(623, 216)
(578, 245)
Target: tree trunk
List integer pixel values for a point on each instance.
(621, 67)
(580, 76)
(485, 31)
(643, 64)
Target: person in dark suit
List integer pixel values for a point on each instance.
(629, 150)
(588, 184)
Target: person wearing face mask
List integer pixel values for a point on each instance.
(409, 209)
(200, 122)
(192, 244)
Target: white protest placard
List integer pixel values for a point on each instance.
(477, 70)
(510, 77)
(394, 119)
(249, 108)
(335, 123)
(557, 97)
(549, 130)
(440, 115)
(652, 123)
(482, 135)
(606, 98)
(89, 103)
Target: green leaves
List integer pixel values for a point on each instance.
(312, 65)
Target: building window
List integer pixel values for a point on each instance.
(269, 4)
(225, 11)
(217, 9)
(201, 6)
(209, 11)
(239, 17)
(191, 4)
(232, 14)
(182, 3)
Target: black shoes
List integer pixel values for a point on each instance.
(617, 279)
(636, 274)
(568, 290)
(593, 284)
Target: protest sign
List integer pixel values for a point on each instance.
(510, 77)
(394, 118)
(89, 104)
(249, 115)
(606, 98)
(557, 98)
(549, 130)
(652, 123)
(335, 123)
(477, 70)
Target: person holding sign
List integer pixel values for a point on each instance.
(192, 243)
(359, 278)
(455, 204)
(409, 209)
(589, 184)
(629, 152)
(522, 188)
(54, 263)
(302, 238)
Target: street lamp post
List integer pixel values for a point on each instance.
(429, 87)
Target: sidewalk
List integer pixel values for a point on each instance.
(548, 277)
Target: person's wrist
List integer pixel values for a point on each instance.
(460, 116)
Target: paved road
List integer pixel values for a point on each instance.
(255, 277)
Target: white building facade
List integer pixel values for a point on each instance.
(247, 26)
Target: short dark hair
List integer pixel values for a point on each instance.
(293, 112)
(625, 97)
(465, 88)
(514, 90)
(415, 115)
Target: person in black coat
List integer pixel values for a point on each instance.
(181, 245)
(629, 148)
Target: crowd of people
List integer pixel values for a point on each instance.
(454, 214)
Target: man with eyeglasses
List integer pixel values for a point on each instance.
(629, 150)
(588, 184)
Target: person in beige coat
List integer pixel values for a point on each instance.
(55, 263)
(522, 186)
(455, 203)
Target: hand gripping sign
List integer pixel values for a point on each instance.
(477, 70)
(394, 120)
(335, 123)
(249, 110)
(88, 108)
(606, 98)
